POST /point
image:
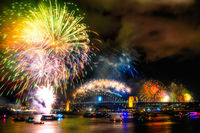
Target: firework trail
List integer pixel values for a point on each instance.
(48, 44)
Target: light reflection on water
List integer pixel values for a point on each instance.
(160, 124)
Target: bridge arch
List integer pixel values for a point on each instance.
(105, 87)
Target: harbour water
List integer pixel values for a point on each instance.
(79, 124)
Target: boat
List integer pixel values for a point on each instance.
(194, 115)
(18, 119)
(30, 120)
(40, 122)
(49, 118)
(60, 115)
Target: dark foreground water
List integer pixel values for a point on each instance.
(78, 124)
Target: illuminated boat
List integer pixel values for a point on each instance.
(60, 116)
(49, 118)
(194, 115)
(30, 120)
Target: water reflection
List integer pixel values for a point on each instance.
(47, 128)
(158, 124)
(159, 127)
(4, 120)
(125, 127)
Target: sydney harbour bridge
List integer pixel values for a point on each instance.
(115, 96)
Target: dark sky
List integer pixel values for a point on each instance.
(166, 33)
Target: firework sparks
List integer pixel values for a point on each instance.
(44, 99)
(152, 91)
(179, 93)
(116, 66)
(104, 85)
(48, 44)
(165, 97)
(155, 91)
(187, 97)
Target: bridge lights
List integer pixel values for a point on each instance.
(99, 99)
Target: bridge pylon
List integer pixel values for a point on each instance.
(67, 105)
(132, 100)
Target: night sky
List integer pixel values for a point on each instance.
(165, 33)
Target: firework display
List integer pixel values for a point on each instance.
(179, 93)
(44, 99)
(165, 97)
(155, 91)
(138, 74)
(152, 91)
(103, 86)
(126, 64)
(44, 45)
(116, 66)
